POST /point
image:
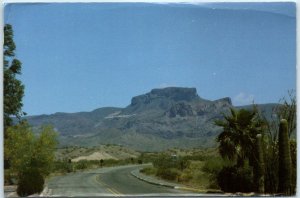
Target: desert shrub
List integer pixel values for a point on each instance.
(163, 162)
(182, 163)
(197, 157)
(168, 173)
(63, 166)
(213, 165)
(146, 157)
(212, 168)
(90, 164)
(185, 176)
(149, 171)
(170, 167)
(110, 162)
(193, 175)
(82, 164)
(30, 182)
(236, 179)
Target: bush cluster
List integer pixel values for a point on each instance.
(30, 182)
(170, 167)
(31, 156)
(236, 179)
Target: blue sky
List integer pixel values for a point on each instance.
(79, 57)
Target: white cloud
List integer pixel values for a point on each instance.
(243, 99)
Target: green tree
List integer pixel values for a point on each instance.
(30, 155)
(101, 162)
(237, 140)
(13, 88)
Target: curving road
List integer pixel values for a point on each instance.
(113, 181)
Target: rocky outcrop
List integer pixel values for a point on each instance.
(180, 109)
(170, 93)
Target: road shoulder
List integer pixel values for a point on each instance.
(152, 180)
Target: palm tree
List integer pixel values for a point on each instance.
(237, 140)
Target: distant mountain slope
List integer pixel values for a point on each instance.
(73, 123)
(95, 153)
(160, 119)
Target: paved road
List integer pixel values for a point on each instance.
(114, 181)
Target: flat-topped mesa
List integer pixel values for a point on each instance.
(172, 93)
(176, 93)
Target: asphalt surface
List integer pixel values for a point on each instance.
(113, 181)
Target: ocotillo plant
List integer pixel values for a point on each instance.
(285, 165)
(259, 170)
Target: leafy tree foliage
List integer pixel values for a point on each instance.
(31, 157)
(237, 141)
(13, 88)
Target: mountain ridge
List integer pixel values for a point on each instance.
(157, 120)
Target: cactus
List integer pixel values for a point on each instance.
(285, 165)
(259, 169)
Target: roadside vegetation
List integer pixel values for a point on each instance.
(195, 168)
(28, 158)
(255, 154)
(31, 157)
(68, 166)
(76, 158)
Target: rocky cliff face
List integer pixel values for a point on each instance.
(180, 109)
(162, 98)
(170, 93)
